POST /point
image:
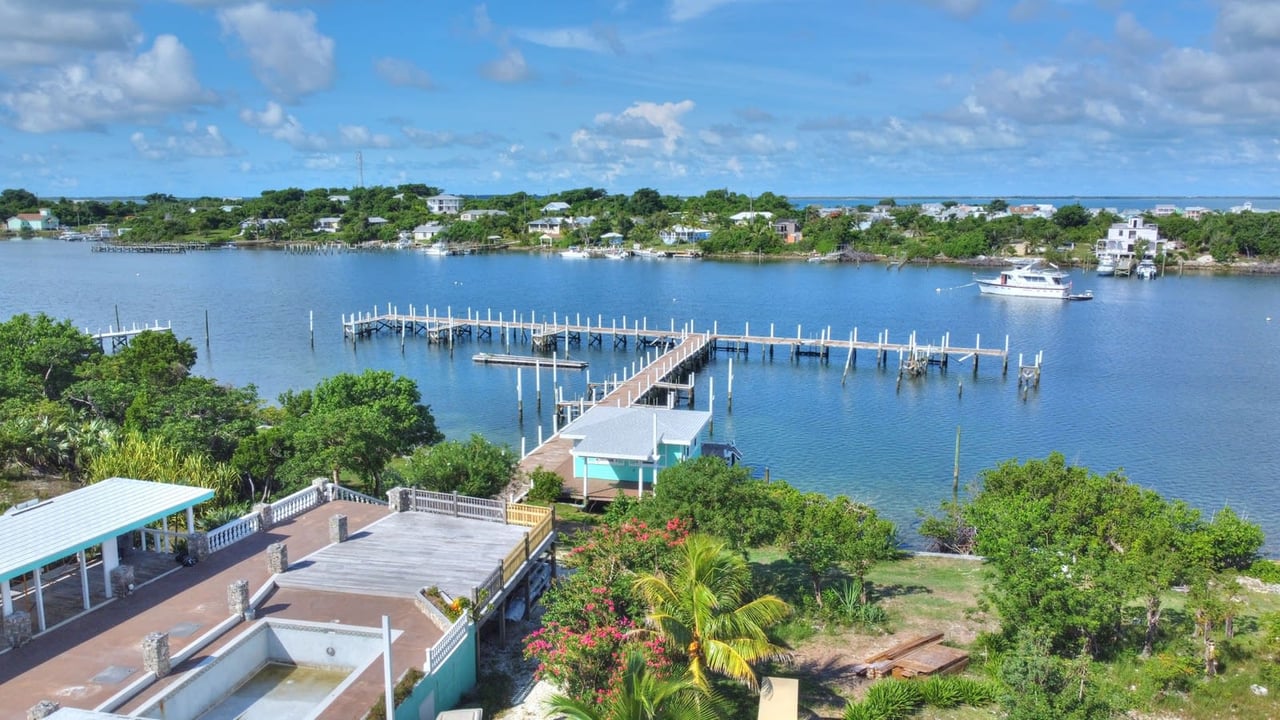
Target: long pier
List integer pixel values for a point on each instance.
(558, 333)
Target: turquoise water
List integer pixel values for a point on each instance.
(1173, 381)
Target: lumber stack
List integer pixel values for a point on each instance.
(917, 655)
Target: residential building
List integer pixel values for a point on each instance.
(36, 221)
(471, 215)
(1195, 213)
(376, 220)
(547, 226)
(632, 444)
(445, 204)
(787, 229)
(258, 224)
(341, 199)
(554, 207)
(747, 216)
(328, 224)
(1165, 210)
(1123, 239)
(683, 234)
(427, 231)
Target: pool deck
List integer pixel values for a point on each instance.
(91, 658)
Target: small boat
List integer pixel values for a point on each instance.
(1106, 265)
(438, 249)
(1147, 269)
(1028, 278)
(618, 254)
(574, 253)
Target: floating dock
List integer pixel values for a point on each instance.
(532, 361)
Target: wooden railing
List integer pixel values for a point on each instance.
(459, 505)
(295, 504)
(526, 550)
(438, 653)
(237, 529)
(529, 515)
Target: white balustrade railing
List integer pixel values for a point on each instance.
(295, 504)
(342, 493)
(437, 654)
(238, 529)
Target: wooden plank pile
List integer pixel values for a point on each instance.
(917, 655)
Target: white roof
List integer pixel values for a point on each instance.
(555, 205)
(445, 196)
(66, 524)
(628, 433)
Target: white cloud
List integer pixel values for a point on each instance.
(480, 16)
(1249, 24)
(290, 56)
(432, 139)
(685, 10)
(403, 73)
(598, 38)
(192, 141)
(895, 135)
(275, 122)
(360, 136)
(115, 87)
(645, 122)
(963, 9)
(39, 32)
(323, 162)
(510, 68)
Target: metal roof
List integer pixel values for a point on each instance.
(624, 433)
(64, 525)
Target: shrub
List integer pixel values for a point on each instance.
(1167, 672)
(1268, 571)
(546, 486)
(452, 608)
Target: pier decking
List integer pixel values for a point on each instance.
(119, 337)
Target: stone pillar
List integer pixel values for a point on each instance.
(264, 514)
(399, 499)
(322, 489)
(277, 557)
(155, 653)
(42, 709)
(17, 628)
(198, 545)
(338, 529)
(122, 581)
(238, 599)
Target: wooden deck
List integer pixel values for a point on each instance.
(405, 552)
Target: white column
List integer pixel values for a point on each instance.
(39, 601)
(84, 578)
(6, 598)
(191, 520)
(110, 560)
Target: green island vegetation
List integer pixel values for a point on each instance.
(388, 214)
(1095, 596)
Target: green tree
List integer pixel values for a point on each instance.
(644, 694)
(1043, 686)
(477, 467)
(39, 356)
(356, 422)
(1070, 216)
(702, 609)
(837, 532)
(718, 500)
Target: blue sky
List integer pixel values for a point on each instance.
(803, 97)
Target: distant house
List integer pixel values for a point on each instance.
(747, 216)
(1196, 212)
(1123, 238)
(547, 226)
(552, 208)
(471, 215)
(328, 224)
(343, 199)
(632, 444)
(612, 238)
(1164, 210)
(258, 224)
(683, 234)
(36, 221)
(787, 229)
(376, 220)
(228, 208)
(427, 231)
(445, 204)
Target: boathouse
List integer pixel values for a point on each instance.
(632, 444)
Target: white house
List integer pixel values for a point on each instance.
(328, 224)
(36, 221)
(1123, 238)
(555, 207)
(631, 445)
(747, 216)
(683, 234)
(471, 215)
(343, 199)
(547, 226)
(445, 204)
(376, 220)
(426, 232)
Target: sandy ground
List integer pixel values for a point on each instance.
(528, 697)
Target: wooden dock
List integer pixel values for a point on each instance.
(532, 361)
(121, 337)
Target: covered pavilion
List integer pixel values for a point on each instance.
(90, 521)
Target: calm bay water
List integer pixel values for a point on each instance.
(1172, 381)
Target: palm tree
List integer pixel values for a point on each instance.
(700, 609)
(644, 696)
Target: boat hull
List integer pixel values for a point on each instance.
(1057, 292)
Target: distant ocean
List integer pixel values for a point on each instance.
(1133, 202)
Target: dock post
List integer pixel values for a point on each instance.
(553, 369)
(711, 405)
(729, 406)
(206, 328)
(693, 378)
(1004, 371)
(537, 384)
(848, 361)
(311, 326)
(520, 395)
(977, 345)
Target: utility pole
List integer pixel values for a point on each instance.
(360, 165)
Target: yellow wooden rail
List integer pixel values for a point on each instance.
(532, 539)
(530, 515)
